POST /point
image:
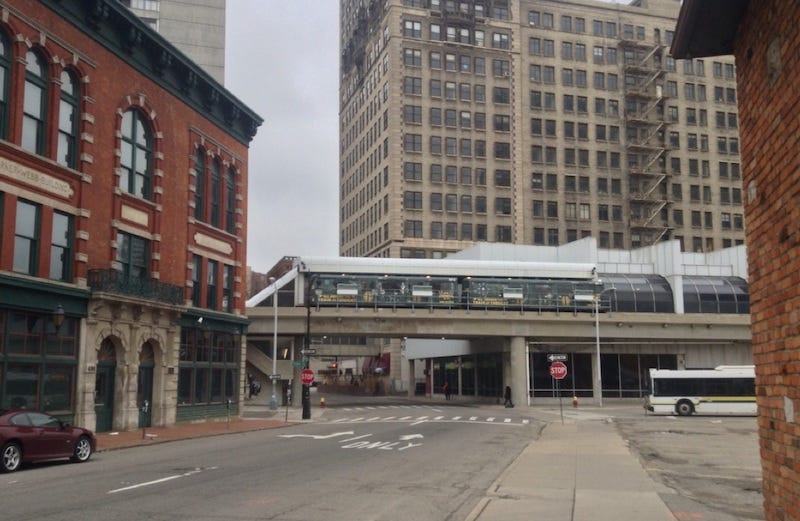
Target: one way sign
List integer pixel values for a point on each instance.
(556, 357)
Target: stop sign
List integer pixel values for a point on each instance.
(558, 370)
(307, 376)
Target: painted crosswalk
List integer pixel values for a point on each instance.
(425, 413)
(422, 419)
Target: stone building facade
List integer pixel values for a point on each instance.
(534, 123)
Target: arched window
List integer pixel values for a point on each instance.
(34, 111)
(216, 192)
(200, 184)
(230, 206)
(67, 153)
(5, 67)
(107, 353)
(136, 155)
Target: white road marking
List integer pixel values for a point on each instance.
(490, 419)
(356, 438)
(407, 437)
(316, 436)
(507, 420)
(157, 481)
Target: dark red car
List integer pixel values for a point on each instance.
(34, 436)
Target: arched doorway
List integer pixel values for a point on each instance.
(104, 386)
(144, 387)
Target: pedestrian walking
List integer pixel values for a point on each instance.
(446, 391)
(507, 396)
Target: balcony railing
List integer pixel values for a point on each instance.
(113, 281)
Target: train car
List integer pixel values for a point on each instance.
(364, 290)
(534, 294)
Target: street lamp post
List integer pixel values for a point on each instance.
(597, 341)
(273, 401)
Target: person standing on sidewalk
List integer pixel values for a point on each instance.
(446, 391)
(507, 396)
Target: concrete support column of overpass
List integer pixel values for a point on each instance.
(596, 390)
(410, 380)
(519, 371)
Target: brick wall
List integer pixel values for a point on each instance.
(109, 87)
(767, 54)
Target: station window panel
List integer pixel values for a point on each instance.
(728, 295)
(639, 293)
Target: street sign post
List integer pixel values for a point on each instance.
(307, 376)
(306, 352)
(557, 357)
(274, 377)
(558, 370)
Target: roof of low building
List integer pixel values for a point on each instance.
(707, 28)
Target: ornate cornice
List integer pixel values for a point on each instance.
(115, 27)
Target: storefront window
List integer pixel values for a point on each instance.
(38, 362)
(211, 375)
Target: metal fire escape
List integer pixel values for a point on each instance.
(354, 52)
(646, 139)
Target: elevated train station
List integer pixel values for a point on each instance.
(492, 315)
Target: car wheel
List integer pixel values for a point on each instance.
(10, 457)
(684, 408)
(83, 450)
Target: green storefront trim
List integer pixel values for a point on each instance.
(40, 296)
(189, 413)
(214, 321)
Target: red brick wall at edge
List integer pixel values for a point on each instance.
(767, 55)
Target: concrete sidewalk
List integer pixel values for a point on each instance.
(183, 431)
(580, 470)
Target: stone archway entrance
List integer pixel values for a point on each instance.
(104, 386)
(144, 386)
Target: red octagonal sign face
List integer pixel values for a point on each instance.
(558, 370)
(307, 376)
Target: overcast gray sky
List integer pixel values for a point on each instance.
(282, 61)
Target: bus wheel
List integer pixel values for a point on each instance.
(684, 408)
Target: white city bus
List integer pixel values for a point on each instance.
(727, 389)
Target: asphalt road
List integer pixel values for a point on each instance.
(414, 462)
(382, 459)
(711, 464)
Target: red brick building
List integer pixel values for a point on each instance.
(764, 37)
(123, 204)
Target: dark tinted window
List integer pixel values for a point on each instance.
(639, 293)
(715, 295)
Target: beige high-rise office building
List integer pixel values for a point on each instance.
(195, 27)
(531, 122)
